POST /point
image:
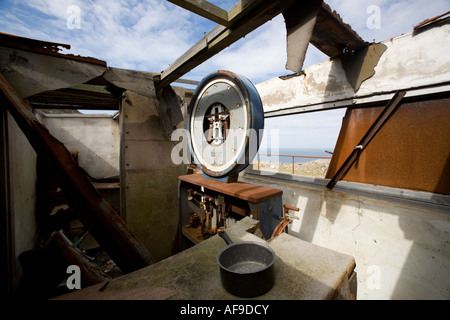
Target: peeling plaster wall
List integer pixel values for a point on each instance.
(401, 252)
(411, 61)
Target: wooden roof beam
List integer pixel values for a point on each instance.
(205, 9)
(247, 15)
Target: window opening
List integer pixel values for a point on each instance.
(300, 144)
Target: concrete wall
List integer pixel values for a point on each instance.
(149, 177)
(401, 250)
(96, 138)
(22, 171)
(399, 238)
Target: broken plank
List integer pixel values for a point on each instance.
(90, 273)
(300, 21)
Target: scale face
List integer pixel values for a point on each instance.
(225, 122)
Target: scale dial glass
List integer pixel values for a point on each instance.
(218, 125)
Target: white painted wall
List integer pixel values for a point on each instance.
(95, 137)
(401, 248)
(401, 251)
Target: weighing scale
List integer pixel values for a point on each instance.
(225, 122)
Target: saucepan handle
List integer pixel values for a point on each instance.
(225, 237)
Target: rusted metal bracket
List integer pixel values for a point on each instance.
(285, 220)
(376, 126)
(103, 222)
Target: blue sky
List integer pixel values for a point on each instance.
(149, 35)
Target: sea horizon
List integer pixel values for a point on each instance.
(310, 152)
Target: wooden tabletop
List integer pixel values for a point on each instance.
(245, 191)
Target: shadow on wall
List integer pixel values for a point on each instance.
(400, 252)
(96, 141)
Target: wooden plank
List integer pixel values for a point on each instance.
(246, 21)
(332, 36)
(245, 191)
(74, 99)
(185, 61)
(242, 9)
(205, 9)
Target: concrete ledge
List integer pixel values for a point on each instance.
(419, 199)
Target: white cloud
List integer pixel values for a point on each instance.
(396, 17)
(143, 35)
(56, 9)
(260, 54)
(308, 130)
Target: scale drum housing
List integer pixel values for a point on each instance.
(225, 122)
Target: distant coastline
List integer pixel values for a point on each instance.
(314, 168)
(310, 152)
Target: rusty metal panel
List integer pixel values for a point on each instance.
(411, 151)
(368, 136)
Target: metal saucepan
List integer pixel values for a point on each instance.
(246, 268)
